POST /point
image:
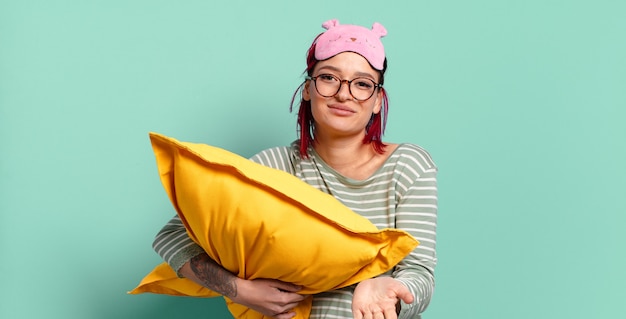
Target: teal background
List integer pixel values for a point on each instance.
(521, 103)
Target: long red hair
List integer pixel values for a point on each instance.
(373, 131)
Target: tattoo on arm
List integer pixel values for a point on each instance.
(214, 276)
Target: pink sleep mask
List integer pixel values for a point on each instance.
(352, 38)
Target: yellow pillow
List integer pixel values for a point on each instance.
(260, 222)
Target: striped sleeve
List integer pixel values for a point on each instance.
(416, 213)
(174, 245)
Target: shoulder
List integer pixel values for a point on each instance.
(414, 157)
(280, 157)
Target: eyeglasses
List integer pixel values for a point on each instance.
(328, 85)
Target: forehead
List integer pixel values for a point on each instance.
(347, 64)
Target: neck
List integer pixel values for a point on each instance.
(344, 154)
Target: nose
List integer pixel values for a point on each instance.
(344, 93)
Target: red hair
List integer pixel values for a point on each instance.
(374, 130)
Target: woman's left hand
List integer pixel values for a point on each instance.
(376, 298)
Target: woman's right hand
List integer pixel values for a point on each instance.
(272, 298)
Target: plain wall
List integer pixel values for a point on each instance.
(521, 103)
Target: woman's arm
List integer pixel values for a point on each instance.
(174, 245)
(270, 297)
(412, 280)
(416, 213)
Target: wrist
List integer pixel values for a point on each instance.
(238, 286)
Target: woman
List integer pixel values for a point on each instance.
(339, 151)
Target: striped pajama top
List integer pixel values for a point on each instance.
(401, 194)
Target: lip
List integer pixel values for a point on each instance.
(340, 108)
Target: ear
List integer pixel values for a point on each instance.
(306, 95)
(378, 103)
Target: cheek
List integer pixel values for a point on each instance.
(372, 106)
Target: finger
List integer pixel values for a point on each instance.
(285, 315)
(378, 315)
(405, 295)
(285, 286)
(290, 305)
(390, 314)
(296, 297)
(288, 299)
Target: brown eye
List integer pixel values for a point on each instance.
(327, 78)
(363, 84)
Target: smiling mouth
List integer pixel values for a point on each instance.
(340, 108)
